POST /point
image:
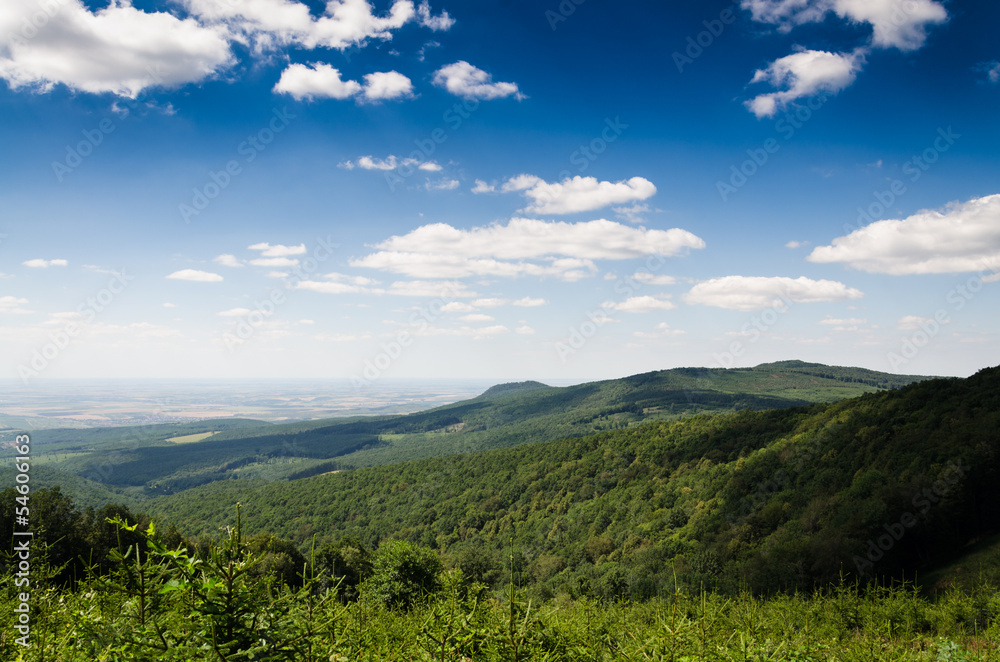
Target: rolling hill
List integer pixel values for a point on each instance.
(147, 461)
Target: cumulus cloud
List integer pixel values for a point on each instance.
(457, 307)
(577, 194)
(269, 24)
(640, 304)
(443, 185)
(391, 162)
(439, 23)
(530, 302)
(647, 278)
(227, 260)
(898, 24)
(10, 305)
(321, 81)
(483, 187)
(234, 312)
(521, 247)
(466, 81)
(961, 237)
(275, 262)
(414, 288)
(117, 49)
(477, 317)
(661, 330)
(748, 293)
(316, 81)
(524, 330)
(836, 321)
(39, 263)
(804, 74)
(278, 250)
(387, 85)
(195, 276)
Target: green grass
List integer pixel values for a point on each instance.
(192, 438)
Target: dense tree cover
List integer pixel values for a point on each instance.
(142, 461)
(874, 486)
(225, 605)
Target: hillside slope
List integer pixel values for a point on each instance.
(147, 462)
(873, 486)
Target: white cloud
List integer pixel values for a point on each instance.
(640, 304)
(457, 307)
(307, 322)
(464, 80)
(796, 244)
(340, 337)
(278, 250)
(414, 288)
(524, 330)
(268, 24)
(195, 276)
(477, 317)
(961, 237)
(234, 312)
(476, 333)
(443, 185)
(850, 321)
(274, 262)
(391, 162)
(316, 81)
(649, 279)
(749, 293)
(439, 23)
(10, 305)
(661, 330)
(227, 260)
(489, 303)
(562, 250)
(804, 74)
(914, 322)
(577, 194)
(117, 49)
(39, 263)
(169, 305)
(483, 187)
(633, 213)
(898, 24)
(992, 70)
(387, 85)
(529, 302)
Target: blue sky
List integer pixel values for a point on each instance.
(496, 190)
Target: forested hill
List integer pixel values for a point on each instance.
(872, 486)
(165, 459)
